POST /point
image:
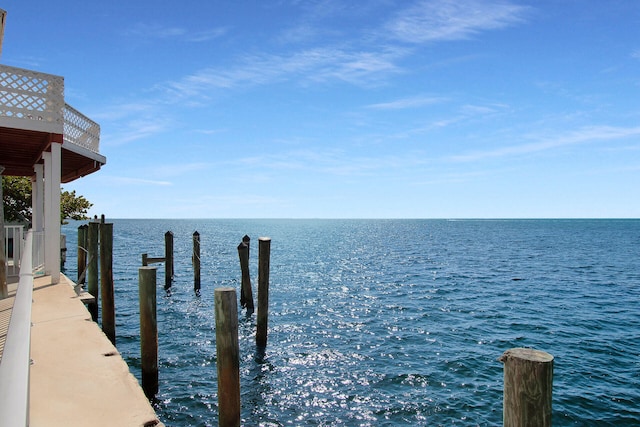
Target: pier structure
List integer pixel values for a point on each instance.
(57, 368)
(43, 138)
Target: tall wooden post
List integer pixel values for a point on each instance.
(228, 357)
(196, 262)
(168, 260)
(82, 253)
(246, 294)
(247, 241)
(264, 254)
(106, 282)
(92, 267)
(148, 330)
(528, 382)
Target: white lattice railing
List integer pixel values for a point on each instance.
(81, 130)
(36, 98)
(35, 101)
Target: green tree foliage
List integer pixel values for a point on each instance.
(16, 196)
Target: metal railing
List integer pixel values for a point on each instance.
(15, 364)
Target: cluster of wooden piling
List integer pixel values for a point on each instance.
(226, 314)
(528, 373)
(95, 259)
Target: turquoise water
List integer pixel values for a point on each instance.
(393, 322)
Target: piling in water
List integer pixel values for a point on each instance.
(247, 241)
(168, 264)
(106, 282)
(246, 294)
(82, 253)
(228, 357)
(92, 267)
(264, 254)
(196, 262)
(528, 382)
(148, 330)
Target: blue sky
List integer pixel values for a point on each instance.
(348, 109)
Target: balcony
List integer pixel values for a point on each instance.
(33, 114)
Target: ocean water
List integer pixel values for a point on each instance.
(393, 322)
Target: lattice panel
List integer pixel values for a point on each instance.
(27, 94)
(80, 130)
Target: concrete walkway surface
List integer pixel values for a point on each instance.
(77, 376)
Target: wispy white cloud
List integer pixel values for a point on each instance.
(153, 31)
(580, 136)
(439, 20)
(125, 180)
(133, 130)
(145, 31)
(333, 162)
(312, 65)
(178, 169)
(410, 102)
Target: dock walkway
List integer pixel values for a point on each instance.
(77, 376)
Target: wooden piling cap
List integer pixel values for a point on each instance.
(529, 354)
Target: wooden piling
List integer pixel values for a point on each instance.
(264, 254)
(148, 330)
(228, 357)
(106, 282)
(196, 262)
(168, 257)
(247, 241)
(92, 267)
(528, 383)
(246, 294)
(82, 253)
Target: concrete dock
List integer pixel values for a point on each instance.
(77, 376)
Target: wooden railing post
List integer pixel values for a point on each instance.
(264, 253)
(528, 382)
(228, 357)
(106, 282)
(148, 330)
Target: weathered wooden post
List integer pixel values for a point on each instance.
(148, 330)
(246, 294)
(264, 254)
(228, 357)
(528, 382)
(82, 253)
(196, 262)
(144, 260)
(247, 241)
(106, 282)
(92, 267)
(168, 260)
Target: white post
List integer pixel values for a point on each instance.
(53, 172)
(37, 189)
